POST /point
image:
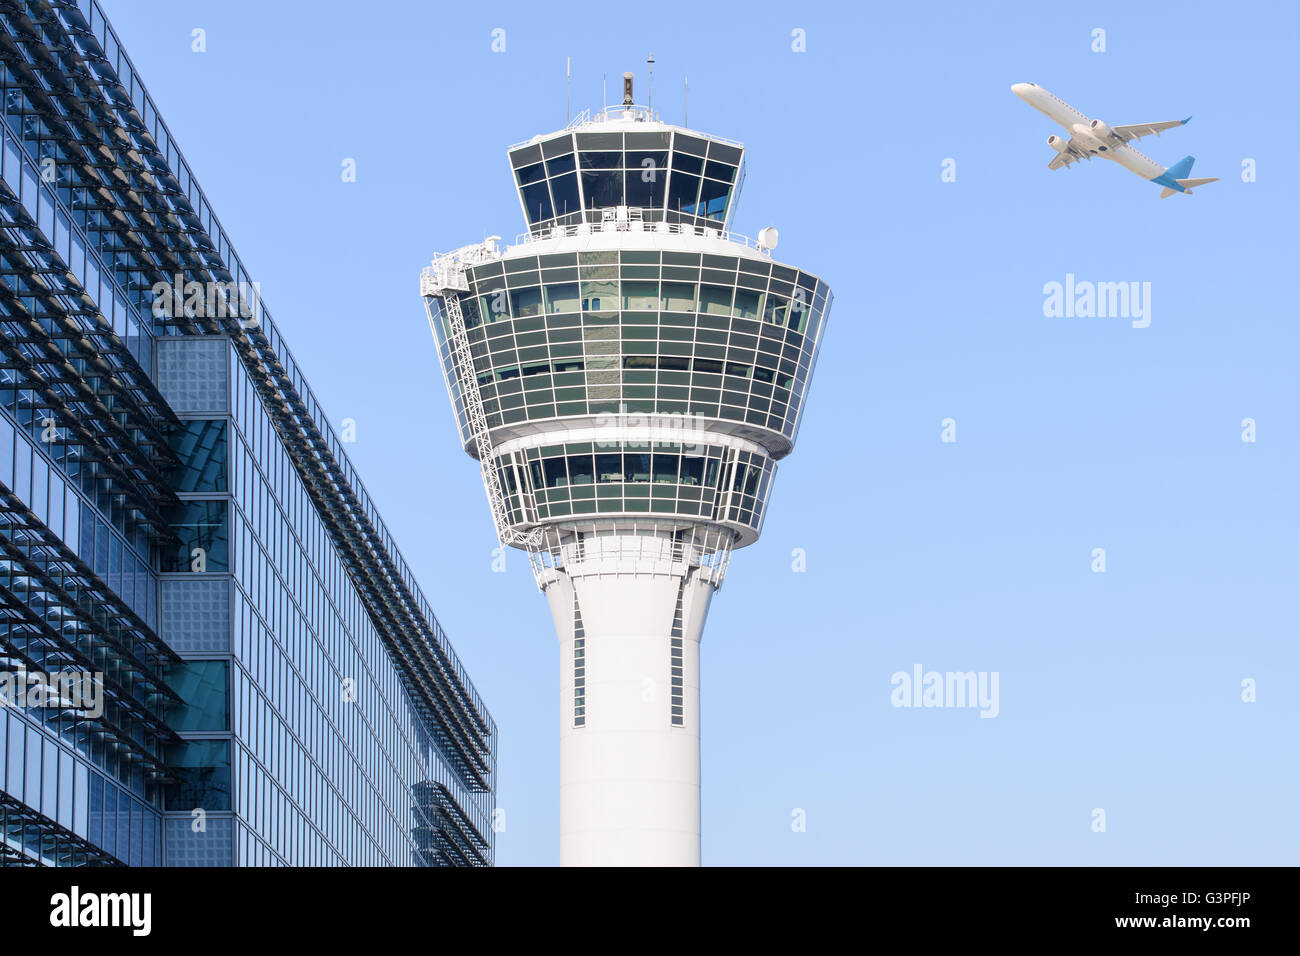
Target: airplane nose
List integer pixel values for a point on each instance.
(1020, 89)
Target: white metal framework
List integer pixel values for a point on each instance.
(443, 280)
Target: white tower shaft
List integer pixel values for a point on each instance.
(629, 733)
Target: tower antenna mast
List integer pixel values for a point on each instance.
(568, 89)
(650, 86)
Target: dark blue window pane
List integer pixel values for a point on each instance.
(682, 193)
(525, 302)
(115, 565)
(555, 472)
(86, 549)
(687, 164)
(564, 192)
(560, 164)
(137, 833)
(199, 524)
(643, 159)
(101, 547)
(201, 447)
(602, 189)
(32, 767)
(109, 840)
(95, 825)
(646, 188)
(600, 160)
(721, 171)
(17, 733)
(713, 199)
(537, 200)
(201, 769)
(531, 174)
(150, 854)
(636, 468)
(204, 688)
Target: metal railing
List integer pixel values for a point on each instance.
(643, 114)
(447, 271)
(443, 280)
(635, 225)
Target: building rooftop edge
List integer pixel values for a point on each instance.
(621, 118)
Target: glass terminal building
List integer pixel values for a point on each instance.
(627, 373)
(180, 526)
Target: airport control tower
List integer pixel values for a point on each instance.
(627, 373)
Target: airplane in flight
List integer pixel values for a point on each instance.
(1092, 137)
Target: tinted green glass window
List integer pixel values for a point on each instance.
(679, 296)
(200, 525)
(201, 772)
(715, 299)
(201, 447)
(495, 306)
(640, 296)
(526, 302)
(562, 297)
(204, 686)
(748, 304)
(598, 295)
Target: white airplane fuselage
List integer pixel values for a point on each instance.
(1080, 128)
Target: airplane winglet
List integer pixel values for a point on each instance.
(1186, 121)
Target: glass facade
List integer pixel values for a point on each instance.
(730, 338)
(669, 175)
(178, 522)
(711, 482)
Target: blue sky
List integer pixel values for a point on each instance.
(1118, 690)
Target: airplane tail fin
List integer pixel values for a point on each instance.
(1175, 173)
(1181, 168)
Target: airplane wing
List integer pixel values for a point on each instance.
(1129, 133)
(1071, 154)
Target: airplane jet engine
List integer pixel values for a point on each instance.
(1100, 130)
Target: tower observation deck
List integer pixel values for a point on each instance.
(627, 373)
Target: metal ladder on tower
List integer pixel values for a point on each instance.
(444, 280)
